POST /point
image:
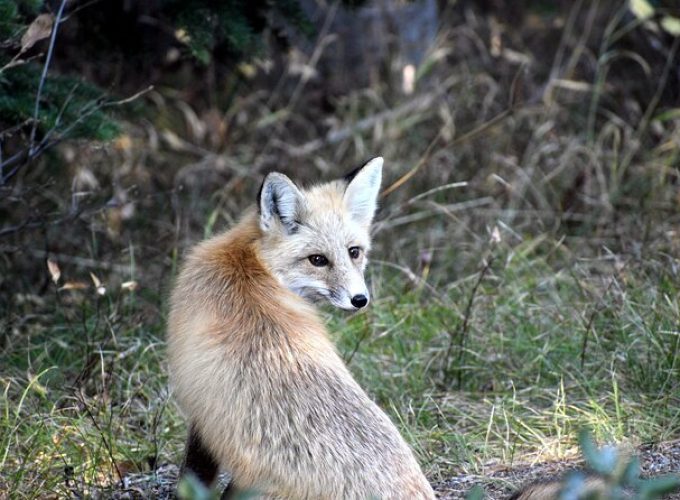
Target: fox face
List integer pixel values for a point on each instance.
(315, 241)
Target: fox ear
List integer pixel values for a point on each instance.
(361, 195)
(279, 199)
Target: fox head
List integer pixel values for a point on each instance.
(315, 240)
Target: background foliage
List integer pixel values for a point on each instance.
(104, 32)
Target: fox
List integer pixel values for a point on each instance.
(589, 484)
(266, 395)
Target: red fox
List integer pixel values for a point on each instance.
(267, 396)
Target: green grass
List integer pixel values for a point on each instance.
(85, 397)
(518, 390)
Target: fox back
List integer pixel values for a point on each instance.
(266, 395)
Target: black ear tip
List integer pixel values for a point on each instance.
(259, 194)
(259, 191)
(266, 176)
(351, 175)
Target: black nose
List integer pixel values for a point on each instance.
(359, 301)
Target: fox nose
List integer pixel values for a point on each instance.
(359, 301)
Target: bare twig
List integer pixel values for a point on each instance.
(457, 141)
(464, 326)
(599, 307)
(69, 259)
(43, 76)
(364, 335)
(8, 132)
(320, 46)
(109, 449)
(78, 8)
(158, 417)
(430, 148)
(322, 41)
(437, 189)
(22, 157)
(423, 160)
(418, 281)
(18, 61)
(416, 105)
(653, 103)
(602, 69)
(32, 224)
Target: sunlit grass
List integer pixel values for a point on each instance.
(523, 392)
(84, 402)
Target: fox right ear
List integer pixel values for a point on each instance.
(363, 186)
(281, 200)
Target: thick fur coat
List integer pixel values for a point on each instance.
(251, 363)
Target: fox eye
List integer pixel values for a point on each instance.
(354, 252)
(318, 260)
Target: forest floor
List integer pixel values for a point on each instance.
(498, 481)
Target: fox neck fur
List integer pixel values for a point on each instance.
(244, 297)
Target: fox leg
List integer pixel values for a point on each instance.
(230, 492)
(198, 460)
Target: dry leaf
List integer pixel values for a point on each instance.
(408, 79)
(123, 143)
(74, 285)
(129, 286)
(182, 36)
(101, 289)
(84, 180)
(125, 468)
(40, 28)
(54, 270)
(172, 140)
(248, 70)
(194, 124)
(495, 235)
(641, 8)
(671, 25)
(95, 280)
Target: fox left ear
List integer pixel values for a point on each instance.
(281, 200)
(361, 195)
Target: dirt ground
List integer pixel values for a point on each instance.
(655, 460)
(498, 483)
